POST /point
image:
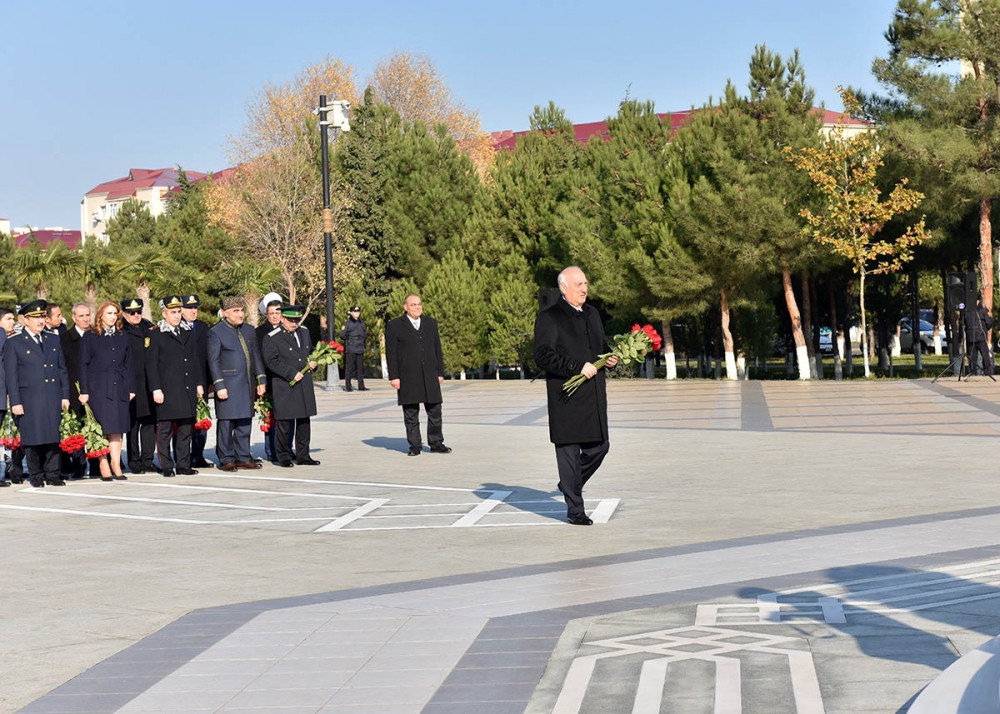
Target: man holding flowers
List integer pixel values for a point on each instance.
(569, 339)
(287, 350)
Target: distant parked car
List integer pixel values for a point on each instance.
(926, 336)
(826, 340)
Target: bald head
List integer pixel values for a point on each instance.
(573, 285)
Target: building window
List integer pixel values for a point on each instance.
(113, 209)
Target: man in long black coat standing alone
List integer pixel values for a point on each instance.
(569, 337)
(416, 371)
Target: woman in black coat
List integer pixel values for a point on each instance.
(107, 382)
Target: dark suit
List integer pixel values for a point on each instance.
(414, 358)
(200, 329)
(141, 440)
(284, 357)
(261, 332)
(235, 364)
(37, 380)
(172, 366)
(566, 339)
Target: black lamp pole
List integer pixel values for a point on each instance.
(333, 373)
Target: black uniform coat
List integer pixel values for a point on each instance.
(200, 329)
(565, 339)
(353, 336)
(3, 374)
(70, 342)
(173, 365)
(237, 370)
(137, 335)
(414, 358)
(37, 380)
(108, 377)
(977, 323)
(284, 359)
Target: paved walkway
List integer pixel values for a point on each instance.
(760, 547)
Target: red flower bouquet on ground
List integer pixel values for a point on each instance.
(262, 407)
(70, 437)
(10, 435)
(323, 353)
(203, 416)
(95, 442)
(629, 348)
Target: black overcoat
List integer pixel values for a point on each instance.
(414, 358)
(353, 336)
(237, 370)
(70, 342)
(3, 374)
(173, 365)
(284, 359)
(200, 329)
(108, 377)
(138, 335)
(565, 339)
(37, 380)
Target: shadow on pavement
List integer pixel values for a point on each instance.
(528, 500)
(388, 443)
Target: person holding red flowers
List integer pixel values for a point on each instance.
(107, 383)
(569, 338)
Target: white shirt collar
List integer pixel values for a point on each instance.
(415, 323)
(78, 330)
(578, 309)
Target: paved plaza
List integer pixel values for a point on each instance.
(758, 547)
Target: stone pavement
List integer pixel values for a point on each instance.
(759, 547)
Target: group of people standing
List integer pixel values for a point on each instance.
(143, 381)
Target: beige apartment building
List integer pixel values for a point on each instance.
(148, 186)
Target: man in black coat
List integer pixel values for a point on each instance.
(200, 328)
(286, 357)
(353, 336)
(38, 389)
(75, 464)
(569, 337)
(271, 310)
(977, 324)
(416, 371)
(141, 439)
(174, 376)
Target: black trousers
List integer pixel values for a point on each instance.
(269, 450)
(198, 441)
(411, 419)
(232, 441)
(43, 461)
(303, 431)
(354, 367)
(576, 464)
(974, 350)
(140, 444)
(182, 444)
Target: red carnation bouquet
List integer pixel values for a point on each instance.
(94, 440)
(10, 435)
(262, 407)
(323, 353)
(629, 348)
(70, 437)
(203, 416)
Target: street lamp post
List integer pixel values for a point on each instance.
(338, 123)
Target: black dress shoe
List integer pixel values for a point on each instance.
(414, 451)
(201, 464)
(4, 484)
(580, 520)
(167, 473)
(308, 462)
(187, 472)
(55, 481)
(348, 389)
(106, 478)
(137, 472)
(15, 478)
(36, 482)
(284, 464)
(362, 389)
(123, 477)
(441, 449)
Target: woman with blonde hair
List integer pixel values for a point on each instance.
(107, 382)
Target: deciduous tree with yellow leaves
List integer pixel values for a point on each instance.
(852, 215)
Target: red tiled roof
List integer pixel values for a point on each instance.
(505, 140)
(72, 239)
(142, 178)
(215, 176)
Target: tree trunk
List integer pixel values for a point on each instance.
(864, 324)
(91, 294)
(727, 338)
(668, 349)
(381, 354)
(801, 352)
(807, 324)
(836, 341)
(142, 291)
(814, 313)
(986, 260)
(938, 326)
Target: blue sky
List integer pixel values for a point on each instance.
(93, 89)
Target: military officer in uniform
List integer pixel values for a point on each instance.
(38, 389)
(6, 320)
(141, 439)
(286, 356)
(174, 377)
(200, 328)
(237, 372)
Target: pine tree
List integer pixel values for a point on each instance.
(946, 124)
(454, 296)
(512, 308)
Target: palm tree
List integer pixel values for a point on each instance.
(33, 265)
(146, 267)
